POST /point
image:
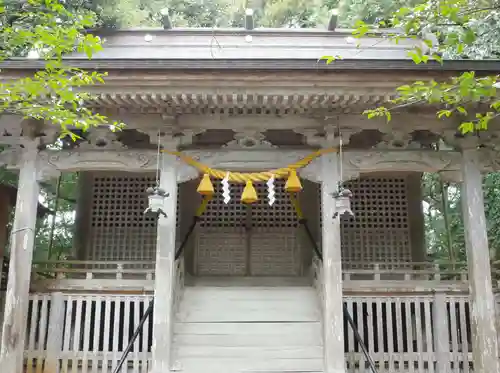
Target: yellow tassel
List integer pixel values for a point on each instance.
(206, 187)
(249, 194)
(293, 184)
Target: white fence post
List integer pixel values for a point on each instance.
(55, 333)
(441, 338)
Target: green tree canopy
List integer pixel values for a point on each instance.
(450, 29)
(46, 29)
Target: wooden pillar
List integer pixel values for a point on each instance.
(333, 319)
(4, 221)
(21, 255)
(484, 337)
(165, 269)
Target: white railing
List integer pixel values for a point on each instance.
(179, 285)
(405, 271)
(75, 332)
(139, 276)
(86, 332)
(408, 333)
(317, 276)
(87, 269)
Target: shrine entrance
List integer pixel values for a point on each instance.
(235, 239)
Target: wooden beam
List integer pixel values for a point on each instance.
(165, 270)
(333, 320)
(484, 336)
(21, 255)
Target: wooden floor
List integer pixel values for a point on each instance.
(244, 326)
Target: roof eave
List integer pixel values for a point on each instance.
(259, 64)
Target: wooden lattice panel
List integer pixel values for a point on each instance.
(380, 230)
(118, 228)
(275, 249)
(236, 239)
(218, 214)
(222, 253)
(221, 244)
(280, 215)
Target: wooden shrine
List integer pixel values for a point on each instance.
(248, 293)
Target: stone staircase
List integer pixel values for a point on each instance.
(232, 326)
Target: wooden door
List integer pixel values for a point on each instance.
(238, 240)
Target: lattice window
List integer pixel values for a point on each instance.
(380, 230)
(219, 214)
(280, 214)
(119, 230)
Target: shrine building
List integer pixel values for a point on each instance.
(297, 277)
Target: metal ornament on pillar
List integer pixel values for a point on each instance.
(343, 203)
(342, 196)
(156, 195)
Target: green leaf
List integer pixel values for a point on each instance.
(442, 113)
(437, 58)
(466, 127)
(469, 36)
(415, 57)
(495, 105)
(388, 115)
(327, 59)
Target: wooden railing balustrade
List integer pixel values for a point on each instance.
(403, 332)
(405, 271)
(139, 275)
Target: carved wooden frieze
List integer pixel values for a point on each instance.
(258, 160)
(421, 161)
(100, 160)
(355, 163)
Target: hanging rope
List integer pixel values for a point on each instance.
(249, 194)
(243, 177)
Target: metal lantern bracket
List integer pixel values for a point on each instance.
(156, 196)
(342, 203)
